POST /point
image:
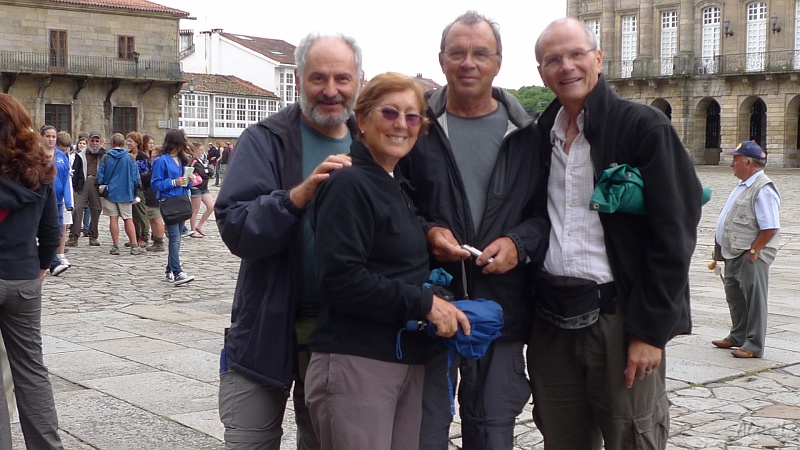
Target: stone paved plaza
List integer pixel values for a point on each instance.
(134, 361)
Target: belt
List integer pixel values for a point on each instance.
(607, 296)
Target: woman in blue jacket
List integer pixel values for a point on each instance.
(63, 190)
(168, 181)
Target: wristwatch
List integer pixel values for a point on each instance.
(753, 251)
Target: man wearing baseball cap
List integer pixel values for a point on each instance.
(747, 240)
(84, 172)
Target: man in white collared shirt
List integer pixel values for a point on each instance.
(747, 240)
(615, 287)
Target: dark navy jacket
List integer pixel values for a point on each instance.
(516, 207)
(259, 224)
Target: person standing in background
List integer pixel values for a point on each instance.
(63, 189)
(747, 239)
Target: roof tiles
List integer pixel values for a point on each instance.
(135, 5)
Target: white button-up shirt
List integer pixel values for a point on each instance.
(767, 205)
(577, 246)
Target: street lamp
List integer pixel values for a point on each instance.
(727, 24)
(774, 21)
(192, 85)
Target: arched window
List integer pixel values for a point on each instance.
(712, 125)
(758, 122)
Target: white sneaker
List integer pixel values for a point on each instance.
(168, 277)
(59, 269)
(65, 261)
(182, 278)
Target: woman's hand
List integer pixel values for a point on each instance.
(447, 318)
(180, 181)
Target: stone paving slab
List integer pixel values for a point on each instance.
(162, 393)
(189, 362)
(85, 365)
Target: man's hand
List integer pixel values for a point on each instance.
(643, 358)
(444, 246)
(505, 255)
(447, 318)
(303, 193)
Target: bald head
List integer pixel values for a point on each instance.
(558, 24)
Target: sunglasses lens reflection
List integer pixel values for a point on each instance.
(391, 114)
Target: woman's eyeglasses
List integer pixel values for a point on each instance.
(391, 114)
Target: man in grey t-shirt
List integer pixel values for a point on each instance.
(478, 180)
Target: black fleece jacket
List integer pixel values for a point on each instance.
(29, 234)
(650, 254)
(372, 260)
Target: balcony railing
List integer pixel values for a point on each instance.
(90, 66)
(686, 65)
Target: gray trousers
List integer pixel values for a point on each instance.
(492, 392)
(359, 403)
(88, 197)
(20, 323)
(580, 401)
(252, 414)
(746, 286)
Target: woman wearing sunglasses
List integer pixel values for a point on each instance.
(364, 382)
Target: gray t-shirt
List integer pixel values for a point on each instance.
(476, 144)
(316, 147)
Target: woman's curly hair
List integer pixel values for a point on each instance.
(22, 159)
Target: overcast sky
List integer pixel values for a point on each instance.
(400, 36)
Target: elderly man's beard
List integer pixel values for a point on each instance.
(93, 150)
(315, 116)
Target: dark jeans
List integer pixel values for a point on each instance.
(174, 259)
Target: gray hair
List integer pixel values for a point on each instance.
(593, 44)
(473, 18)
(301, 52)
(117, 140)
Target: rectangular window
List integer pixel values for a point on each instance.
(629, 45)
(234, 113)
(669, 40)
(59, 116)
(58, 50)
(124, 120)
(797, 39)
(594, 25)
(287, 86)
(756, 36)
(711, 32)
(193, 113)
(125, 47)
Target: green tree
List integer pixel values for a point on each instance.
(534, 98)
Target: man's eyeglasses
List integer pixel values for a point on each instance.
(558, 60)
(391, 114)
(459, 55)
